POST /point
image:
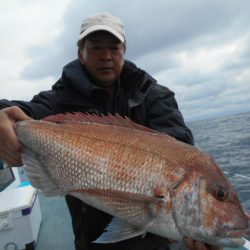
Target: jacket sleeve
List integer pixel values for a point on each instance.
(164, 115)
(43, 104)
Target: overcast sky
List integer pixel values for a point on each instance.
(198, 48)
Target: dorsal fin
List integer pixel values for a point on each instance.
(113, 120)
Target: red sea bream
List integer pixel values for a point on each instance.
(148, 181)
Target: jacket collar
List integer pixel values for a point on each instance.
(134, 82)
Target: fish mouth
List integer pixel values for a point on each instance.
(236, 237)
(232, 242)
(237, 233)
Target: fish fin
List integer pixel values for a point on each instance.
(177, 246)
(118, 230)
(113, 120)
(139, 210)
(37, 174)
(246, 244)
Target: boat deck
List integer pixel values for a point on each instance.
(55, 230)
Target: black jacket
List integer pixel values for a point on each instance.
(139, 97)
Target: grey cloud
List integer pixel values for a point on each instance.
(149, 29)
(204, 91)
(211, 103)
(241, 59)
(175, 23)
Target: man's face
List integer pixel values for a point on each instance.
(103, 56)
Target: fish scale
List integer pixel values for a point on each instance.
(149, 180)
(90, 161)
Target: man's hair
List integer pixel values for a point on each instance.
(80, 44)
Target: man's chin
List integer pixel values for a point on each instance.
(106, 82)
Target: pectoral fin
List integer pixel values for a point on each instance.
(37, 174)
(137, 209)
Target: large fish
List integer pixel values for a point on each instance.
(149, 181)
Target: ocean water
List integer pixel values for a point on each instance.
(227, 139)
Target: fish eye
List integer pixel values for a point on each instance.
(219, 193)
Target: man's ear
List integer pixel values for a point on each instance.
(80, 56)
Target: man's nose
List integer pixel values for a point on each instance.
(105, 54)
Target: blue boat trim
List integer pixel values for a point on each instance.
(28, 210)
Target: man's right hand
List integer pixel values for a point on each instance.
(10, 147)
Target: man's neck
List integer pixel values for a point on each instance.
(110, 88)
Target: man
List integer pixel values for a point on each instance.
(99, 81)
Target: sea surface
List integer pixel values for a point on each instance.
(227, 139)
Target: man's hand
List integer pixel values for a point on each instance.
(10, 147)
(198, 245)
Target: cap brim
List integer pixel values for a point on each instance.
(99, 28)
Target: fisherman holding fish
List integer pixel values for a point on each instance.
(100, 81)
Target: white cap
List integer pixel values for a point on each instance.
(103, 21)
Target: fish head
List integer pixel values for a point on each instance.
(207, 208)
